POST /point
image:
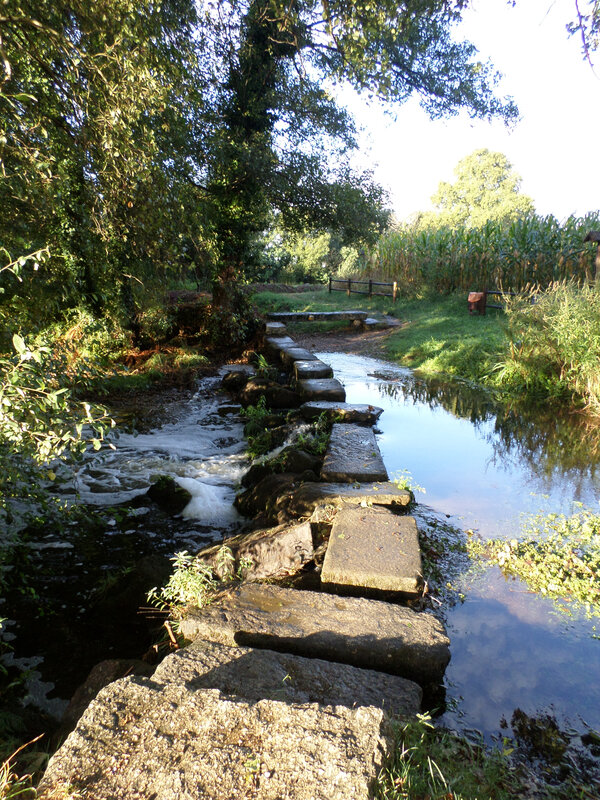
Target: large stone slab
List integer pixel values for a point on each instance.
(275, 329)
(361, 414)
(273, 345)
(291, 354)
(312, 368)
(315, 316)
(322, 389)
(351, 630)
(301, 501)
(353, 455)
(265, 674)
(373, 548)
(140, 740)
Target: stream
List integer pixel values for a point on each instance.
(483, 468)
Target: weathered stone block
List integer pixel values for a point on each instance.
(313, 368)
(353, 455)
(301, 501)
(351, 630)
(322, 389)
(289, 355)
(141, 740)
(373, 548)
(361, 414)
(265, 674)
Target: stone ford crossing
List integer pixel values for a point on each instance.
(282, 693)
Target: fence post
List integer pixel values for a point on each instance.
(484, 302)
(349, 289)
(330, 284)
(370, 287)
(394, 291)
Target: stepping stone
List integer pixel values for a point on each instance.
(315, 316)
(350, 630)
(275, 344)
(322, 389)
(141, 739)
(309, 496)
(342, 412)
(353, 455)
(291, 354)
(264, 674)
(275, 329)
(313, 368)
(373, 548)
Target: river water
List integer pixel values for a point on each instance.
(483, 468)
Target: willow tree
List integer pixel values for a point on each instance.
(281, 141)
(95, 117)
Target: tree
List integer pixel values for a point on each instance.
(486, 189)
(280, 141)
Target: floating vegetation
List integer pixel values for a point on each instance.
(557, 556)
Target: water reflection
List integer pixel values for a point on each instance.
(552, 446)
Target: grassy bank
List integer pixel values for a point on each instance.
(438, 334)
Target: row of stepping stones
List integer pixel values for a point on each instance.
(283, 693)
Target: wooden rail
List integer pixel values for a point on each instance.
(478, 300)
(348, 283)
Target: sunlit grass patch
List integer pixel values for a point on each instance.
(557, 556)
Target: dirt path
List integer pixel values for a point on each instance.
(365, 343)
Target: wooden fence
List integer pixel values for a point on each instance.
(350, 282)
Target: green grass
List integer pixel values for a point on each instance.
(438, 335)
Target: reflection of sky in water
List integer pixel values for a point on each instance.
(509, 647)
(458, 462)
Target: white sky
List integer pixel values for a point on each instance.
(555, 147)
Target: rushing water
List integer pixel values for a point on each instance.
(483, 468)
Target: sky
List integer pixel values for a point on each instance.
(555, 147)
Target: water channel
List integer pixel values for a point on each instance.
(483, 468)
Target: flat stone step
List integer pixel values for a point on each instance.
(141, 739)
(258, 674)
(350, 630)
(303, 501)
(275, 328)
(360, 414)
(313, 368)
(322, 389)
(289, 355)
(373, 548)
(275, 344)
(353, 455)
(315, 316)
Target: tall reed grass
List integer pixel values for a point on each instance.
(513, 256)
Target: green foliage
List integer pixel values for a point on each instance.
(438, 764)
(486, 189)
(191, 582)
(558, 556)
(528, 251)
(554, 346)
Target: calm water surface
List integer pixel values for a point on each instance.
(483, 468)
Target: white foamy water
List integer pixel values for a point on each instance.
(203, 451)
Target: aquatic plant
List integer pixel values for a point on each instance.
(557, 556)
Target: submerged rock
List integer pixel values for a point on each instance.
(169, 495)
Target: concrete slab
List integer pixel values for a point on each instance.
(373, 548)
(361, 414)
(353, 455)
(313, 368)
(265, 674)
(273, 345)
(322, 389)
(350, 630)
